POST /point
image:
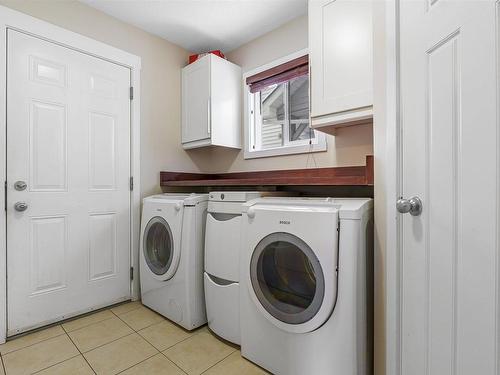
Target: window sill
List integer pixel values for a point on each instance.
(283, 151)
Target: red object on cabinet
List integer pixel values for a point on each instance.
(193, 58)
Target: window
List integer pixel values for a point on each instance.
(277, 111)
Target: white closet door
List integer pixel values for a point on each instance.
(449, 255)
(68, 139)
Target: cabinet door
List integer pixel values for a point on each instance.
(225, 101)
(341, 55)
(196, 101)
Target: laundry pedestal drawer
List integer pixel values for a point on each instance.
(222, 301)
(222, 244)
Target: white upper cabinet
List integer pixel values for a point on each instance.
(341, 71)
(211, 103)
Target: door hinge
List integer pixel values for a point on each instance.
(131, 93)
(131, 183)
(131, 273)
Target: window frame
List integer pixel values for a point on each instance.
(250, 129)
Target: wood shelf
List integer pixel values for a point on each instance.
(338, 176)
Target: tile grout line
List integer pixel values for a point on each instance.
(68, 332)
(137, 331)
(55, 364)
(3, 364)
(138, 363)
(164, 319)
(175, 364)
(167, 348)
(85, 326)
(36, 343)
(65, 332)
(215, 364)
(53, 337)
(100, 346)
(171, 346)
(118, 316)
(79, 351)
(134, 332)
(124, 322)
(187, 338)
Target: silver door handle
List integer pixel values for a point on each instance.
(412, 205)
(20, 206)
(20, 185)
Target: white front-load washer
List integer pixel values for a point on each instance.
(306, 285)
(171, 256)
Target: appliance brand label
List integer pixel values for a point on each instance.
(285, 222)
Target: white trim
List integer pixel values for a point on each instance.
(135, 159)
(290, 150)
(321, 144)
(340, 119)
(387, 182)
(10, 19)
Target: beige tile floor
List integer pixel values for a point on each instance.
(127, 339)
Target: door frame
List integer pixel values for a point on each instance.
(14, 20)
(388, 157)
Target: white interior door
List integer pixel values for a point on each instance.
(449, 254)
(68, 139)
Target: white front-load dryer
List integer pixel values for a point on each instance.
(171, 257)
(305, 295)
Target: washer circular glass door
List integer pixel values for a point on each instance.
(287, 278)
(158, 246)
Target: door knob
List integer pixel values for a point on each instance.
(412, 205)
(20, 185)
(20, 206)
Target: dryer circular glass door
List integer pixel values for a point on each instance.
(287, 278)
(158, 246)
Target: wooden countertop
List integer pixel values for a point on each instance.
(337, 176)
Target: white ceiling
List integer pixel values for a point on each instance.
(202, 25)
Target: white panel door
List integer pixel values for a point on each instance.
(196, 114)
(68, 138)
(449, 255)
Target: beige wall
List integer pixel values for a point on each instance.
(160, 79)
(350, 145)
(160, 93)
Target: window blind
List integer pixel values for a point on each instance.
(279, 74)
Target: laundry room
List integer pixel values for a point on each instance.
(226, 187)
